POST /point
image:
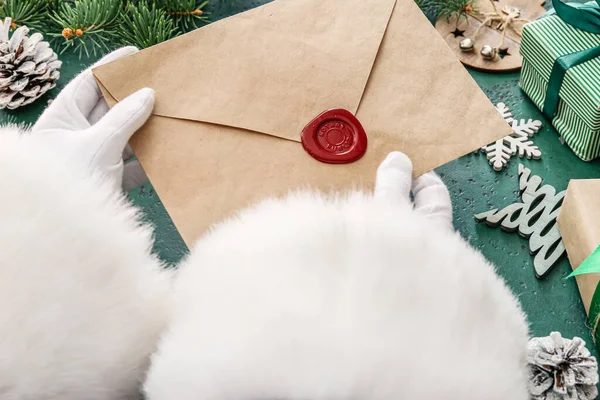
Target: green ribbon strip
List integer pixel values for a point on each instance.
(591, 265)
(594, 315)
(582, 16)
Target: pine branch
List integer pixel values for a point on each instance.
(146, 25)
(87, 25)
(187, 14)
(93, 26)
(424, 5)
(25, 12)
(450, 9)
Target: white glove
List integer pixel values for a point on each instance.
(432, 198)
(394, 183)
(79, 121)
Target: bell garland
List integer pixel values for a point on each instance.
(457, 10)
(499, 20)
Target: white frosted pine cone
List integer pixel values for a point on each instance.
(561, 369)
(28, 66)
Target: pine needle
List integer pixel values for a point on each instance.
(24, 12)
(94, 26)
(146, 25)
(453, 9)
(90, 26)
(448, 9)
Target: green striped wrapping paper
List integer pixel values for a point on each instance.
(578, 116)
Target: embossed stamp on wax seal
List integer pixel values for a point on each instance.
(335, 137)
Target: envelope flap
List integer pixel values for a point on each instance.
(271, 69)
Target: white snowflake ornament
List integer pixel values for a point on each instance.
(499, 152)
(561, 369)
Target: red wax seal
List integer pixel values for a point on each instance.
(335, 137)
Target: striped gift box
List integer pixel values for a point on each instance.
(578, 116)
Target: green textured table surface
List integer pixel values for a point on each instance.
(551, 304)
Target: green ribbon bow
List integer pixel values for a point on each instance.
(591, 265)
(582, 16)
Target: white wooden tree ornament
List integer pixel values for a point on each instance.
(499, 152)
(533, 218)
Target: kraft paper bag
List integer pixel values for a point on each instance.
(578, 221)
(233, 98)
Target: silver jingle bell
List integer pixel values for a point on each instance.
(488, 52)
(466, 44)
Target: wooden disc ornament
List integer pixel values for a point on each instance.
(488, 36)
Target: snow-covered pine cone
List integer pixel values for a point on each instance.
(28, 66)
(561, 369)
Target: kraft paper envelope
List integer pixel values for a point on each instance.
(234, 96)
